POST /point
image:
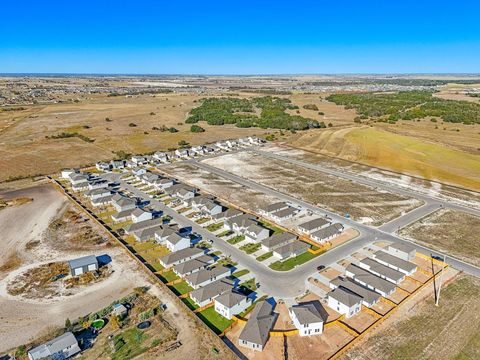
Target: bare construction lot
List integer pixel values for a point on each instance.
(230, 191)
(362, 203)
(449, 231)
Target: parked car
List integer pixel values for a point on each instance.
(320, 267)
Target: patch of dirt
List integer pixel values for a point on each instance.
(449, 231)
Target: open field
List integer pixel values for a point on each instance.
(27, 151)
(380, 147)
(363, 203)
(451, 232)
(222, 188)
(419, 330)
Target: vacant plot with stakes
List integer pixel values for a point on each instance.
(448, 231)
(362, 203)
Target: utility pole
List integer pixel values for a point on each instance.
(440, 285)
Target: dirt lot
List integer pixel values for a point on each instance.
(364, 204)
(25, 319)
(419, 330)
(234, 193)
(452, 232)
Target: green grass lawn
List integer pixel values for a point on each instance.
(236, 239)
(240, 273)
(214, 227)
(226, 261)
(181, 288)
(265, 256)
(214, 321)
(190, 303)
(169, 276)
(130, 343)
(250, 248)
(202, 220)
(289, 264)
(225, 233)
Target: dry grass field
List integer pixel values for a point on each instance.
(26, 150)
(382, 148)
(420, 330)
(449, 231)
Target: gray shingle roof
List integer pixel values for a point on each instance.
(278, 240)
(272, 208)
(195, 264)
(368, 295)
(395, 261)
(257, 329)
(329, 231)
(314, 224)
(370, 279)
(230, 299)
(212, 290)
(143, 225)
(201, 276)
(309, 313)
(55, 346)
(345, 296)
(180, 255)
(382, 269)
(402, 247)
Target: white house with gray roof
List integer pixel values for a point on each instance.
(122, 215)
(176, 242)
(382, 271)
(278, 240)
(369, 297)
(403, 251)
(327, 233)
(308, 318)
(231, 303)
(396, 263)
(256, 332)
(206, 294)
(291, 250)
(180, 256)
(83, 264)
(139, 215)
(371, 281)
(62, 347)
(273, 208)
(207, 276)
(192, 266)
(239, 223)
(344, 301)
(142, 225)
(311, 226)
(284, 214)
(256, 233)
(122, 203)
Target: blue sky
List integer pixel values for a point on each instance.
(239, 37)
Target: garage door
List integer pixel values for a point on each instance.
(91, 267)
(78, 271)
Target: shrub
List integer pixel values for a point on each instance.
(196, 129)
(132, 124)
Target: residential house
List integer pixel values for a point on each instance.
(373, 282)
(256, 233)
(327, 233)
(163, 183)
(223, 145)
(146, 234)
(117, 164)
(181, 191)
(256, 332)
(344, 301)
(239, 223)
(278, 240)
(308, 318)
(198, 150)
(226, 215)
(97, 184)
(205, 295)
(284, 214)
(138, 172)
(62, 347)
(176, 242)
(369, 297)
(130, 229)
(98, 193)
(139, 215)
(232, 143)
(123, 215)
(396, 263)
(244, 141)
(403, 251)
(182, 153)
(122, 203)
(192, 266)
(161, 156)
(101, 201)
(231, 303)
(382, 271)
(207, 276)
(102, 166)
(139, 160)
(314, 225)
(273, 208)
(180, 256)
(291, 250)
(164, 232)
(206, 205)
(79, 181)
(65, 173)
(83, 264)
